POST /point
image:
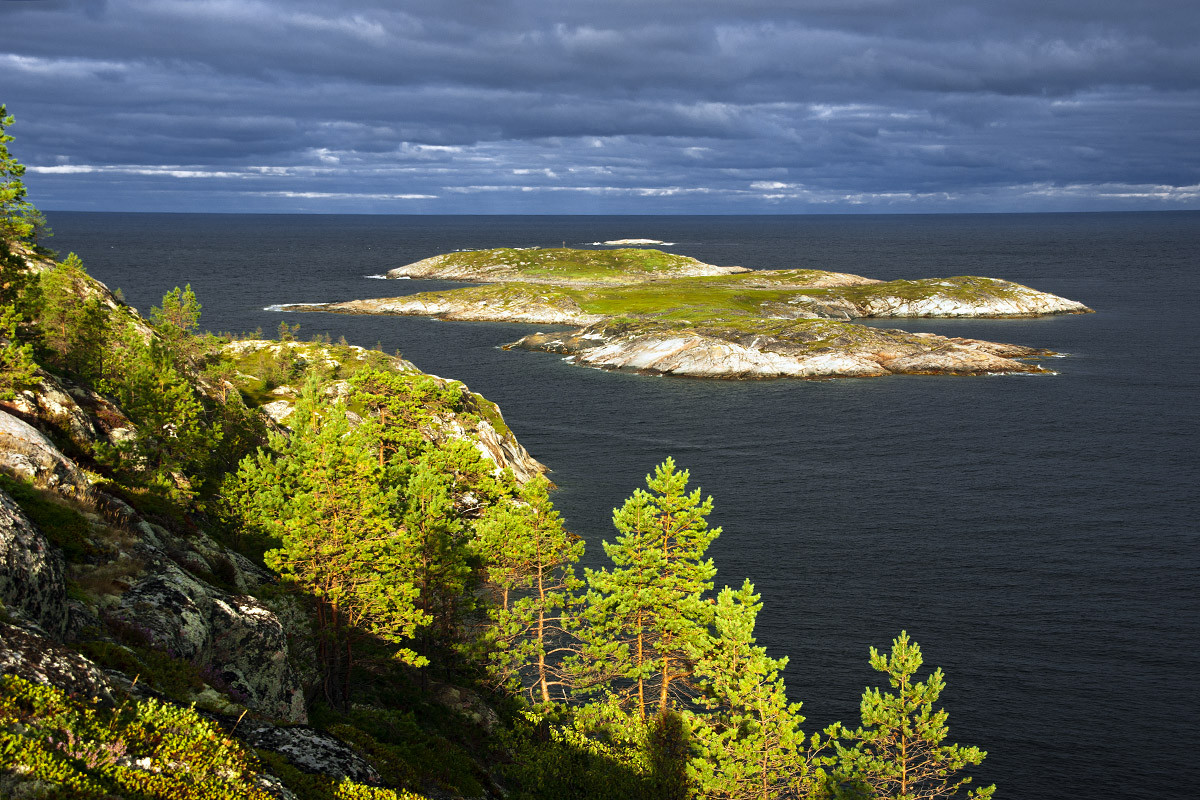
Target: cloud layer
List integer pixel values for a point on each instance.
(607, 106)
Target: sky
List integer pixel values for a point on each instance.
(604, 106)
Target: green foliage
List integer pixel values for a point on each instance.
(18, 370)
(898, 752)
(567, 264)
(176, 435)
(62, 524)
(321, 787)
(173, 677)
(667, 745)
(287, 333)
(530, 560)
(73, 321)
(440, 571)
(405, 755)
(750, 745)
(177, 322)
(152, 750)
(648, 616)
(323, 495)
(19, 220)
(405, 406)
(595, 752)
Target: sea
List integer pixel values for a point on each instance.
(1037, 535)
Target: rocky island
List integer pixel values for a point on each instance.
(661, 313)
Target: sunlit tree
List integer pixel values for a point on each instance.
(648, 616)
(899, 752)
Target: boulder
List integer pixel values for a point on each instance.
(31, 574)
(235, 639)
(34, 657)
(313, 751)
(27, 453)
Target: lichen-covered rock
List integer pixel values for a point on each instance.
(313, 751)
(535, 265)
(466, 703)
(31, 576)
(493, 440)
(36, 658)
(521, 308)
(250, 648)
(27, 453)
(962, 296)
(234, 637)
(83, 415)
(278, 410)
(798, 348)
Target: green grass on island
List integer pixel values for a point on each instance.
(568, 265)
(721, 298)
(653, 285)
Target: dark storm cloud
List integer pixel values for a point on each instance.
(608, 105)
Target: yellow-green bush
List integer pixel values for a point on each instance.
(76, 748)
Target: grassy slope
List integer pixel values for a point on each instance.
(622, 265)
(710, 299)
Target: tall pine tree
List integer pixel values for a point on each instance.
(323, 497)
(751, 746)
(647, 618)
(530, 562)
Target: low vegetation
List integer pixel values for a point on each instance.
(567, 265)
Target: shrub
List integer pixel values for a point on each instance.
(78, 749)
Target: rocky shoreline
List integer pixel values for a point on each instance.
(857, 352)
(692, 319)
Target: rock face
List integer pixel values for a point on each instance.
(526, 309)
(964, 296)
(489, 434)
(817, 349)
(35, 658)
(240, 641)
(313, 751)
(27, 453)
(494, 440)
(31, 575)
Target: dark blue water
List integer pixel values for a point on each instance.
(1036, 534)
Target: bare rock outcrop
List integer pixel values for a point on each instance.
(313, 751)
(31, 573)
(27, 453)
(506, 264)
(34, 657)
(236, 638)
(801, 349)
(489, 308)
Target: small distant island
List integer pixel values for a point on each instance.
(661, 313)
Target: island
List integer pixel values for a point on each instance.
(660, 313)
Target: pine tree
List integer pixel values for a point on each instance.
(530, 561)
(19, 220)
(74, 323)
(18, 370)
(175, 440)
(648, 617)
(751, 744)
(178, 323)
(403, 405)
(440, 571)
(323, 497)
(899, 752)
